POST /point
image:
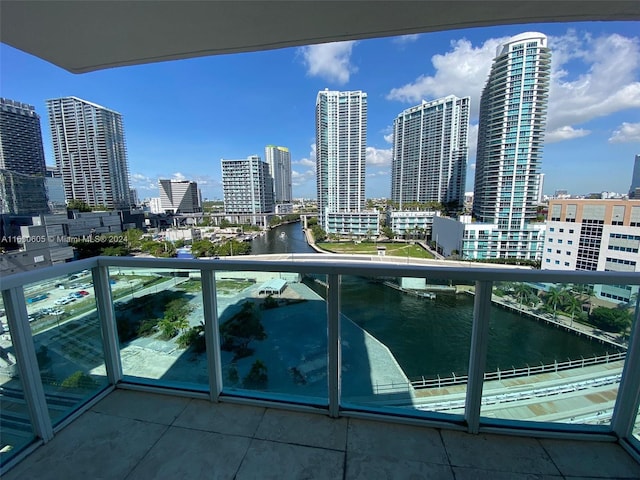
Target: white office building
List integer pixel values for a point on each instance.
(90, 152)
(430, 148)
(595, 235)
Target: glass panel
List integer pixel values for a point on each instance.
(67, 339)
(159, 318)
(405, 343)
(556, 353)
(15, 424)
(273, 333)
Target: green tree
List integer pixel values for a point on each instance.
(610, 319)
(133, 238)
(388, 232)
(203, 248)
(275, 220)
(257, 378)
(79, 205)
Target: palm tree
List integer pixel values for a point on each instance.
(573, 306)
(555, 296)
(522, 292)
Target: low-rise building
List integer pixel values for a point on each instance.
(593, 234)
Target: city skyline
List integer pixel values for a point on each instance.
(593, 104)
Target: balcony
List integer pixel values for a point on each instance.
(96, 382)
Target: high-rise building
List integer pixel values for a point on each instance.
(430, 152)
(248, 189)
(22, 165)
(511, 132)
(634, 190)
(90, 152)
(341, 144)
(179, 196)
(279, 161)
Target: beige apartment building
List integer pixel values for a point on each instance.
(601, 235)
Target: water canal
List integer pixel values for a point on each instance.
(432, 337)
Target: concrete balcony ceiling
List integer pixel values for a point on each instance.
(86, 36)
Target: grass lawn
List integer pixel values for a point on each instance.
(393, 249)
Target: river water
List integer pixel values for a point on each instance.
(432, 337)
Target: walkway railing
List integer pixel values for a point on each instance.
(109, 353)
(516, 372)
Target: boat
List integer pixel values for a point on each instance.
(283, 236)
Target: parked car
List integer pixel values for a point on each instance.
(84, 293)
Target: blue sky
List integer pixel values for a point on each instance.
(182, 117)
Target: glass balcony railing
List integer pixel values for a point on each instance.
(478, 348)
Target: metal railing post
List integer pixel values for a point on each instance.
(628, 400)
(478, 354)
(25, 353)
(334, 350)
(107, 318)
(212, 333)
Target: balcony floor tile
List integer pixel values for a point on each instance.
(595, 459)
(186, 453)
(396, 441)
(230, 441)
(273, 460)
(147, 407)
(364, 467)
(223, 418)
(307, 429)
(93, 446)
(498, 452)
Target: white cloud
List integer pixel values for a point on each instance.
(627, 132)
(404, 39)
(473, 140)
(388, 138)
(378, 156)
(331, 61)
(565, 133)
(306, 162)
(462, 71)
(305, 177)
(178, 177)
(607, 85)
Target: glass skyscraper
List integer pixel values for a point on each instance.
(279, 161)
(22, 165)
(511, 133)
(430, 148)
(341, 146)
(90, 152)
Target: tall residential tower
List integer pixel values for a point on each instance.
(22, 165)
(513, 110)
(341, 144)
(279, 161)
(90, 152)
(430, 152)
